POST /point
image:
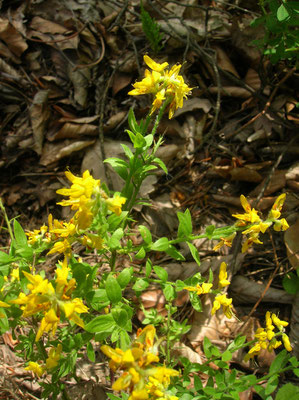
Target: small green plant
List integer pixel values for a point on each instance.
(151, 30)
(281, 40)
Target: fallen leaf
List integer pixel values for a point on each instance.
(39, 115)
(120, 81)
(292, 244)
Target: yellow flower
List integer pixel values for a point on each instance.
(227, 241)
(277, 206)
(286, 342)
(204, 288)
(278, 322)
(62, 247)
(116, 203)
(223, 276)
(84, 186)
(35, 367)
(15, 274)
(226, 303)
(281, 225)
(164, 84)
(49, 322)
(253, 238)
(54, 357)
(250, 216)
(3, 304)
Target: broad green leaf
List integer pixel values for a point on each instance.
(279, 362)
(127, 151)
(140, 254)
(120, 316)
(161, 164)
(113, 289)
(120, 166)
(169, 292)
(90, 352)
(185, 224)
(288, 392)
(140, 285)
(5, 258)
(146, 234)
(290, 283)
(282, 13)
(124, 277)
(271, 385)
(101, 323)
(114, 241)
(226, 356)
(132, 121)
(20, 235)
(161, 244)
(161, 273)
(148, 268)
(124, 340)
(194, 253)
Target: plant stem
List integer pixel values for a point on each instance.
(6, 220)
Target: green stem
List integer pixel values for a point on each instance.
(168, 358)
(160, 114)
(6, 220)
(112, 260)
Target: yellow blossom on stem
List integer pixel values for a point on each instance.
(226, 303)
(227, 241)
(253, 238)
(54, 357)
(223, 276)
(204, 288)
(250, 216)
(36, 368)
(115, 204)
(164, 84)
(84, 186)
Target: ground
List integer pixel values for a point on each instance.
(66, 70)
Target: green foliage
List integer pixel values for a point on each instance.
(281, 39)
(151, 30)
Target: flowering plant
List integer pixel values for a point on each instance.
(73, 305)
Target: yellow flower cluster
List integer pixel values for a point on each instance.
(163, 84)
(220, 299)
(51, 362)
(267, 338)
(142, 379)
(253, 224)
(50, 301)
(84, 197)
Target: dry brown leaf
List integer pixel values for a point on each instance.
(233, 91)
(83, 120)
(277, 182)
(120, 81)
(181, 350)
(293, 172)
(245, 174)
(252, 79)
(13, 39)
(224, 61)
(80, 79)
(114, 120)
(54, 152)
(72, 130)
(292, 244)
(45, 26)
(195, 103)
(39, 116)
(244, 291)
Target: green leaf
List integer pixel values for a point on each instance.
(90, 352)
(226, 356)
(194, 253)
(114, 241)
(174, 253)
(185, 224)
(101, 323)
(288, 391)
(127, 151)
(271, 385)
(120, 166)
(169, 292)
(148, 268)
(124, 277)
(139, 141)
(282, 13)
(113, 290)
(5, 258)
(146, 234)
(161, 244)
(124, 340)
(290, 283)
(279, 362)
(20, 235)
(161, 273)
(161, 164)
(140, 285)
(132, 121)
(98, 299)
(120, 316)
(141, 253)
